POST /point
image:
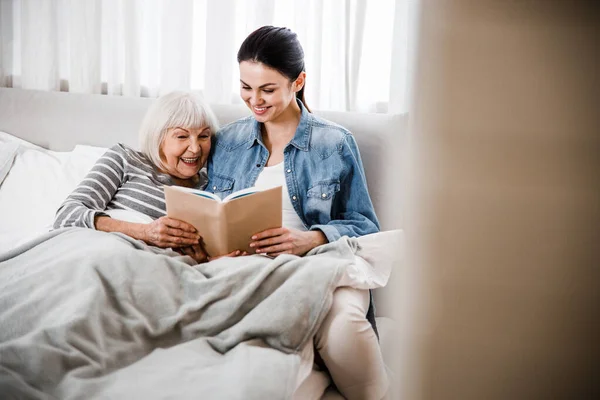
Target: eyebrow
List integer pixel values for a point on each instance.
(187, 131)
(261, 86)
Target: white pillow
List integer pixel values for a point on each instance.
(382, 250)
(376, 256)
(9, 146)
(33, 189)
(386, 254)
(8, 138)
(89, 152)
(7, 155)
(35, 186)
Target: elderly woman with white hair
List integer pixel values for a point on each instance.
(175, 138)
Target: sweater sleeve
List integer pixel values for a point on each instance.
(91, 197)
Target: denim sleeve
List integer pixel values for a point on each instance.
(355, 215)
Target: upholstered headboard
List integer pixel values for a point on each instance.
(59, 121)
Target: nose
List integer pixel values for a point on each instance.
(255, 98)
(194, 146)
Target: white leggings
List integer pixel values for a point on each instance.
(349, 347)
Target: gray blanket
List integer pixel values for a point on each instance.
(87, 314)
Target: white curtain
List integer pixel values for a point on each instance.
(357, 52)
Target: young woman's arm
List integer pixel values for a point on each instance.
(355, 218)
(356, 215)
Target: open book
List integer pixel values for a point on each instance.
(225, 225)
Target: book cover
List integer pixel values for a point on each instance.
(226, 225)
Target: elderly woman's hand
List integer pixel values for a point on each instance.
(234, 253)
(198, 253)
(195, 251)
(169, 232)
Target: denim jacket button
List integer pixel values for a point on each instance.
(293, 197)
(323, 195)
(289, 170)
(214, 188)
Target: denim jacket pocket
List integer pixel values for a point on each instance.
(221, 185)
(319, 198)
(323, 190)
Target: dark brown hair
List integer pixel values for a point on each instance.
(277, 48)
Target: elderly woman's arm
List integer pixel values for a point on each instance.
(163, 232)
(91, 197)
(85, 206)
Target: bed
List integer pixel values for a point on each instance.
(64, 326)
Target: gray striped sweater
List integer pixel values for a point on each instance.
(121, 179)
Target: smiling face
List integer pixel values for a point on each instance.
(268, 93)
(184, 151)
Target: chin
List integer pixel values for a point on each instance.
(188, 175)
(261, 118)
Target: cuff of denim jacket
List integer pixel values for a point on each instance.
(331, 232)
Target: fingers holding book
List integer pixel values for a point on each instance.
(274, 242)
(234, 253)
(199, 254)
(169, 232)
(195, 251)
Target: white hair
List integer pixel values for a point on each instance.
(173, 110)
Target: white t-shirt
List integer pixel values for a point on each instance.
(271, 177)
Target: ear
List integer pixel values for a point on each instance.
(299, 82)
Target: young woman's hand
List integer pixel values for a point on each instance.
(169, 232)
(274, 242)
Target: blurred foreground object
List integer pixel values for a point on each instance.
(502, 202)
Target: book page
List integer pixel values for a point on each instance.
(240, 193)
(197, 192)
(248, 215)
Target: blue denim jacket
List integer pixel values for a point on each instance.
(324, 173)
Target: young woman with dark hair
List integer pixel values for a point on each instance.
(325, 193)
(277, 48)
